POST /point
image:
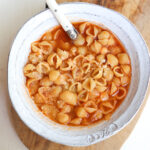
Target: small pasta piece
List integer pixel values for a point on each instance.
(90, 106)
(45, 82)
(126, 69)
(123, 59)
(104, 35)
(90, 57)
(108, 74)
(101, 88)
(60, 104)
(66, 65)
(104, 96)
(66, 109)
(78, 60)
(113, 89)
(82, 27)
(89, 84)
(47, 36)
(65, 45)
(33, 85)
(54, 60)
(76, 87)
(43, 67)
(111, 41)
(117, 81)
(101, 82)
(34, 75)
(104, 51)
(29, 68)
(92, 31)
(61, 80)
(69, 97)
(83, 96)
(94, 94)
(89, 40)
(108, 106)
(55, 91)
(86, 67)
(121, 93)
(96, 31)
(53, 75)
(81, 113)
(57, 34)
(44, 92)
(125, 80)
(115, 50)
(97, 116)
(79, 40)
(97, 73)
(63, 118)
(104, 42)
(96, 47)
(94, 65)
(35, 47)
(46, 47)
(46, 109)
(101, 59)
(112, 60)
(38, 99)
(73, 50)
(76, 121)
(77, 73)
(82, 50)
(118, 72)
(62, 54)
(107, 116)
(34, 58)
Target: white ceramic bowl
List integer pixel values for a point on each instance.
(78, 136)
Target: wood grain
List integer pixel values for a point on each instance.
(138, 12)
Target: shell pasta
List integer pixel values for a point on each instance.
(80, 82)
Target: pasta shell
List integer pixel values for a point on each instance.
(62, 54)
(75, 87)
(96, 47)
(89, 84)
(89, 40)
(97, 73)
(54, 60)
(83, 96)
(69, 97)
(79, 40)
(81, 113)
(76, 121)
(113, 88)
(112, 60)
(123, 58)
(118, 72)
(126, 69)
(82, 27)
(35, 47)
(46, 47)
(121, 93)
(43, 67)
(29, 68)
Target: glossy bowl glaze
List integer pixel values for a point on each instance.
(78, 136)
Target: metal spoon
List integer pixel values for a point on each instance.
(62, 19)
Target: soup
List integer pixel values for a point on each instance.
(78, 82)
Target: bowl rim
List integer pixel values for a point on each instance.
(83, 3)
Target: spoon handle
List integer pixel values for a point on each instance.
(62, 19)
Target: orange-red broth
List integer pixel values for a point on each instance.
(103, 102)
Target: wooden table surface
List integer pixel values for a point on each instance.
(138, 11)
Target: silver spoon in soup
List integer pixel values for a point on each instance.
(62, 19)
